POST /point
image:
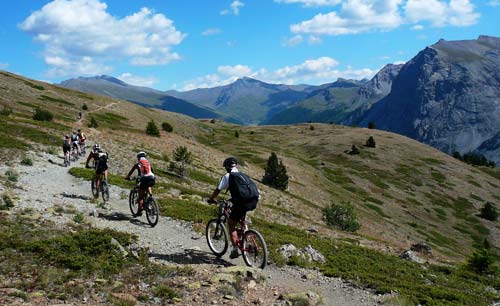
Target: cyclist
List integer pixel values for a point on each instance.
(147, 177)
(239, 209)
(81, 137)
(100, 163)
(75, 142)
(66, 147)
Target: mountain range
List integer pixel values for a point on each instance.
(447, 96)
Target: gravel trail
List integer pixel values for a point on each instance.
(44, 183)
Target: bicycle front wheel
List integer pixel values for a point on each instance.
(95, 192)
(254, 249)
(105, 191)
(152, 211)
(133, 202)
(217, 237)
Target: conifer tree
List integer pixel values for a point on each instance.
(152, 129)
(275, 175)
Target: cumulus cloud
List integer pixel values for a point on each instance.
(311, 3)
(314, 40)
(313, 71)
(360, 16)
(292, 41)
(441, 13)
(355, 16)
(234, 8)
(80, 36)
(212, 31)
(129, 78)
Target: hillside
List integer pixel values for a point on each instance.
(403, 192)
(447, 97)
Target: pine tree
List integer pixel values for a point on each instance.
(370, 143)
(275, 175)
(152, 129)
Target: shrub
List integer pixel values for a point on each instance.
(85, 107)
(370, 143)
(78, 218)
(182, 154)
(27, 161)
(163, 291)
(93, 123)
(12, 175)
(342, 217)
(489, 212)
(236, 134)
(7, 202)
(6, 111)
(275, 173)
(371, 125)
(212, 121)
(311, 127)
(152, 129)
(167, 127)
(481, 261)
(42, 115)
(354, 150)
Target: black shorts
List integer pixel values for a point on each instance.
(147, 181)
(66, 149)
(101, 167)
(238, 211)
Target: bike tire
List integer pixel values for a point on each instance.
(254, 249)
(217, 238)
(133, 202)
(152, 211)
(105, 191)
(95, 191)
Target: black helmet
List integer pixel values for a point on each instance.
(229, 163)
(141, 154)
(96, 147)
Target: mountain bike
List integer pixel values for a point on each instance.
(66, 159)
(82, 148)
(250, 242)
(74, 152)
(149, 204)
(103, 187)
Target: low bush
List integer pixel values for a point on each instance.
(93, 123)
(370, 142)
(42, 115)
(489, 212)
(84, 106)
(152, 129)
(167, 127)
(6, 111)
(27, 161)
(342, 217)
(6, 202)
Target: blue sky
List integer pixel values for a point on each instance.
(171, 44)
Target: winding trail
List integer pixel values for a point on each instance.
(171, 240)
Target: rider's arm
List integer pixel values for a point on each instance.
(91, 156)
(131, 171)
(215, 193)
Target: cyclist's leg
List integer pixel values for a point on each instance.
(237, 213)
(232, 231)
(141, 197)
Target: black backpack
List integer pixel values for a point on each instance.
(242, 188)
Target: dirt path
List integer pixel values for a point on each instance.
(170, 241)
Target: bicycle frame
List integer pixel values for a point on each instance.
(224, 213)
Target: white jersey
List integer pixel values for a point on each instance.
(224, 180)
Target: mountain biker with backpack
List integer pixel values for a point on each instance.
(81, 137)
(244, 196)
(100, 163)
(75, 142)
(147, 177)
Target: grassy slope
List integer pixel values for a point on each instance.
(404, 192)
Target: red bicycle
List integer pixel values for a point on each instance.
(250, 242)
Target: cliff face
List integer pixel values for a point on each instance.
(447, 96)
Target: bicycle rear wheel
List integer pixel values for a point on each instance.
(254, 249)
(105, 191)
(95, 191)
(217, 237)
(133, 202)
(152, 211)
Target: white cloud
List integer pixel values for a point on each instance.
(494, 2)
(314, 40)
(355, 16)
(4, 65)
(212, 31)
(292, 41)
(417, 27)
(399, 62)
(313, 71)
(129, 78)
(80, 36)
(442, 13)
(234, 8)
(312, 3)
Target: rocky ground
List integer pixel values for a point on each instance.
(46, 185)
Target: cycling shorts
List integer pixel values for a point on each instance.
(147, 181)
(101, 167)
(238, 211)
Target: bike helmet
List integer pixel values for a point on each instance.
(66, 136)
(229, 163)
(96, 147)
(141, 154)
